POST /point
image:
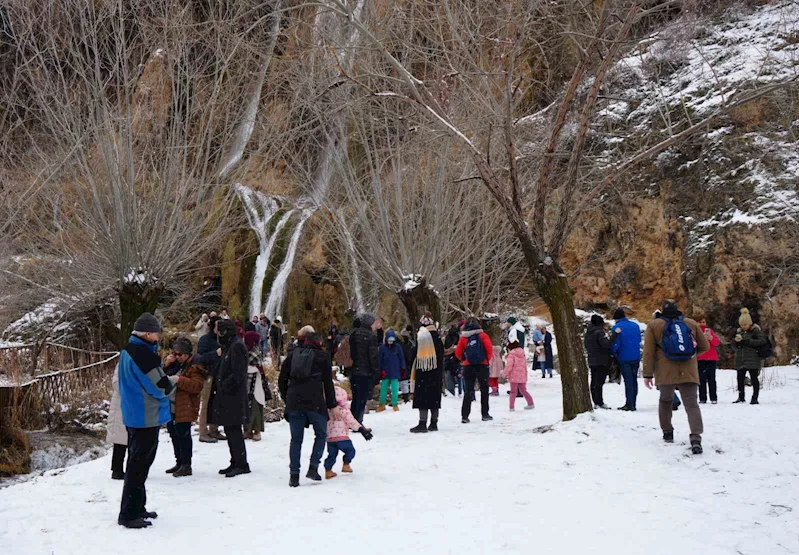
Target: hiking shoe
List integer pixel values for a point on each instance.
(396, 408)
(464, 420)
(668, 437)
(248, 435)
(714, 402)
(313, 474)
(329, 474)
(346, 468)
(433, 427)
(238, 470)
(117, 475)
(696, 447)
(381, 408)
(256, 436)
(184, 470)
(487, 418)
(217, 435)
(420, 429)
(136, 523)
(208, 439)
(173, 469)
(294, 481)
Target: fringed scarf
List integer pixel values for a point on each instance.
(425, 350)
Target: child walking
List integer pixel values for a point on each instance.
(516, 373)
(338, 435)
(391, 361)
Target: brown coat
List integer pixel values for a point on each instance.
(187, 397)
(665, 371)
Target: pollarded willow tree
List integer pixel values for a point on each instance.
(410, 226)
(493, 77)
(130, 122)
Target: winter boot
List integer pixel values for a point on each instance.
(208, 439)
(248, 435)
(294, 481)
(696, 447)
(256, 436)
(226, 470)
(396, 408)
(184, 470)
(313, 474)
(420, 429)
(173, 469)
(238, 470)
(329, 474)
(346, 468)
(381, 408)
(136, 523)
(216, 434)
(740, 400)
(117, 475)
(754, 402)
(668, 437)
(433, 427)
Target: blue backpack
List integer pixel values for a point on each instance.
(678, 340)
(475, 353)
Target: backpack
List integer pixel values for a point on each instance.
(475, 352)
(678, 340)
(766, 350)
(301, 363)
(343, 355)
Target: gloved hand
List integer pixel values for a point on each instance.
(366, 433)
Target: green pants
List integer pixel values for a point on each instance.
(256, 423)
(394, 391)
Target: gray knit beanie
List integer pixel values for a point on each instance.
(147, 323)
(183, 346)
(367, 319)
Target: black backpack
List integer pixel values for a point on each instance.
(301, 363)
(766, 350)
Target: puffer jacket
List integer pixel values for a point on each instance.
(517, 334)
(228, 403)
(190, 385)
(627, 346)
(746, 356)
(339, 426)
(496, 367)
(460, 351)
(664, 370)
(516, 366)
(391, 359)
(143, 387)
(115, 431)
(714, 341)
(313, 394)
(364, 349)
(597, 346)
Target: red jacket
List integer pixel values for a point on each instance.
(714, 341)
(487, 346)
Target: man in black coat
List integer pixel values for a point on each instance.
(228, 404)
(276, 339)
(306, 386)
(597, 346)
(365, 371)
(206, 356)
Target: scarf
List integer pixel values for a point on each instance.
(425, 350)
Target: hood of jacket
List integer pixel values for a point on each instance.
(391, 334)
(471, 329)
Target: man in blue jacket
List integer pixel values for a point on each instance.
(144, 391)
(626, 340)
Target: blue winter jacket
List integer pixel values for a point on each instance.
(391, 358)
(627, 346)
(143, 387)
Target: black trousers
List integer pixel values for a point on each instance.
(707, 379)
(118, 458)
(475, 373)
(180, 432)
(142, 446)
(598, 376)
(235, 443)
(742, 383)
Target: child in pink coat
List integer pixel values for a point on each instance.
(338, 434)
(516, 374)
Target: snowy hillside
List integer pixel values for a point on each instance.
(601, 484)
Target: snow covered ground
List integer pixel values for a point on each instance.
(602, 484)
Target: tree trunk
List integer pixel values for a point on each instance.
(419, 300)
(554, 289)
(135, 300)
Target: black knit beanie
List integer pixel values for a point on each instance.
(147, 323)
(619, 314)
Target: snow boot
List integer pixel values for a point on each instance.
(208, 439)
(136, 523)
(696, 447)
(381, 408)
(346, 468)
(329, 474)
(396, 408)
(488, 418)
(420, 429)
(256, 436)
(173, 469)
(668, 437)
(433, 427)
(184, 470)
(216, 434)
(117, 475)
(238, 470)
(313, 474)
(226, 470)
(294, 481)
(248, 435)
(529, 407)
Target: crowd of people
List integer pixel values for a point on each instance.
(223, 383)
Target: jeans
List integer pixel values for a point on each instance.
(235, 443)
(142, 447)
(361, 392)
(707, 380)
(180, 432)
(394, 391)
(629, 371)
(118, 458)
(334, 447)
(742, 383)
(598, 376)
(689, 393)
(475, 373)
(297, 422)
